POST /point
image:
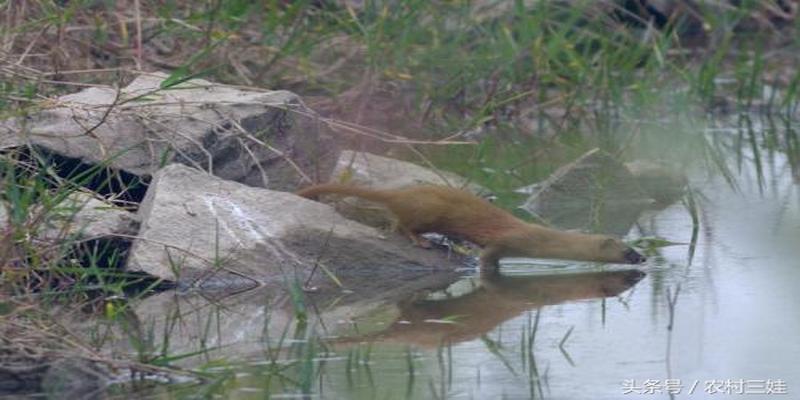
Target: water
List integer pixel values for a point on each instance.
(550, 330)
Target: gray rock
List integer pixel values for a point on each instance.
(83, 216)
(267, 138)
(593, 193)
(658, 180)
(75, 378)
(373, 171)
(21, 374)
(55, 376)
(197, 227)
(384, 173)
(247, 321)
(79, 216)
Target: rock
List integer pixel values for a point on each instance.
(83, 216)
(247, 321)
(20, 374)
(370, 170)
(659, 181)
(62, 377)
(79, 216)
(260, 138)
(197, 227)
(79, 230)
(75, 378)
(384, 173)
(758, 16)
(594, 193)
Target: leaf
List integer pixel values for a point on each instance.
(180, 75)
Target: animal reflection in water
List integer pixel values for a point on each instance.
(497, 299)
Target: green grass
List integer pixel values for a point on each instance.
(459, 61)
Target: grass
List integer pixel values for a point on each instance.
(568, 70)
(532, 87)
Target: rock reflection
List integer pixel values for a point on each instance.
(243, 325)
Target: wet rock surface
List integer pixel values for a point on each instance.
(260, 138)
(198, 227)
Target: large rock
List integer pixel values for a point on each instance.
(593, 193)
(377, 172)
(260, 138)
(196, 226)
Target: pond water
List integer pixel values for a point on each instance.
(546, 330)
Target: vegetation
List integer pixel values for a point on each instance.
(483, 72)
(527, 87)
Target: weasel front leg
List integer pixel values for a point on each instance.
(490, 260)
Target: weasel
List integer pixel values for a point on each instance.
(454, 212)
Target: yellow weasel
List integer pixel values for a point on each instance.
(454, 212)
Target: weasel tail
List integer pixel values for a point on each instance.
(454, 212)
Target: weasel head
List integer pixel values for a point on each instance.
(616, 251)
